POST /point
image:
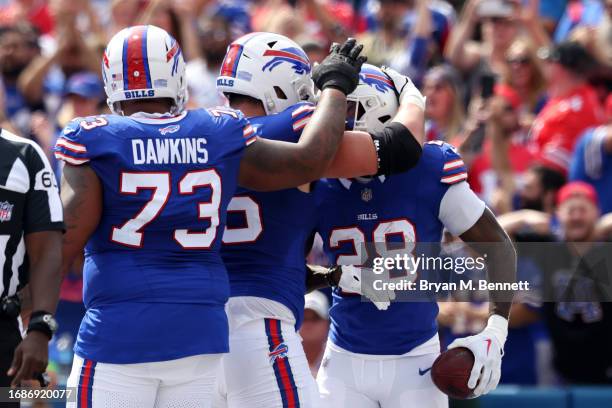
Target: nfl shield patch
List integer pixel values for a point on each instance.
(6, 211)
(366, 194)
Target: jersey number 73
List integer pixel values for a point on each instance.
(131, 232)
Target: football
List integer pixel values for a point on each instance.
(451, 371)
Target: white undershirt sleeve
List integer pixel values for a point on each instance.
(460, 208)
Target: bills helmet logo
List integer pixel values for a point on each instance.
(6, 211)
(279, 352)
(376, 79)
(174, 53)
(169, 129)
(296, 57)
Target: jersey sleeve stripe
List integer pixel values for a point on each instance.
(302, 109)
(451, 165)
(454, 178)
(68, 159)
(251, 140)
(300, 124)
(248, 131)
(72, 146)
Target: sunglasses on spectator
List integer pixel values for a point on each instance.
(496, 20)
(518, 60)
(438, 86)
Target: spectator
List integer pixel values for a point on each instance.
(444, 109)
(580, 319)
(500, 165)
(535, 218)
(35, 12)
(501, 23)
(18, 46)
(572, 108)
(44, 78)
(314, 328)
(523, 72)
(83, 96)
(315, 50)
(592, 163)
(578, 13)
(205, 49)
(388, 40)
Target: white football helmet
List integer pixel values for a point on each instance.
(373, 103)
(143, 62)
(268, 67)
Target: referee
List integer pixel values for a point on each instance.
(31, 224)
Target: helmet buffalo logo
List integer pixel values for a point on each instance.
(376, 79)
(280, 351)
(296, 57)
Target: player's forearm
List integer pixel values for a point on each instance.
(413, 117)
(323, 133)
(488, 238)
(273, 165)
(501, 261)
(44, 254)
(31, 80)
(355, 157)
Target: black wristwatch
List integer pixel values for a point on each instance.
(43, 322)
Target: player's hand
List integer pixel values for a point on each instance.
(351, 281)
(340, 69)
(31, 357)
(405, 89)
(488, 349)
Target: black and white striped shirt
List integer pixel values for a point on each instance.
(29, 202)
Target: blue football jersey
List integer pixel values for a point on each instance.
(154, 282)
(266, 233)
(592, 164)
(399, 208)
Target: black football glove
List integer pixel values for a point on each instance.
(340, 69)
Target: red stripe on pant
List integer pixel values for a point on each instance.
(84, 384)
(282, 365)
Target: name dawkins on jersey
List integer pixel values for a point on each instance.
(169, 151)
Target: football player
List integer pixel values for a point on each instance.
(378, 358)
(267, 77)
(146, 189)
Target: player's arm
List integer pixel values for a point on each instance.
(501, 257)
(319, 277)
(42, 224)
(273, 165)
(466, 216)
(82, 200)
(486, 236)
(397, 148)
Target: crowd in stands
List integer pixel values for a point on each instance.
(520, 87)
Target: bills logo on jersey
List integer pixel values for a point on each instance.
(169, 129)
(278, 352)
(6, 211)
(376, 79)
(296, 57)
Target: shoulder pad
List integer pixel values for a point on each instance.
(445, 161)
